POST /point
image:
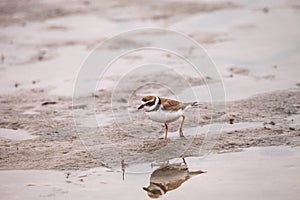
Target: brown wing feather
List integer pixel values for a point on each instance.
(169, 104)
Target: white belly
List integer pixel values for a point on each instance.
(163, 116)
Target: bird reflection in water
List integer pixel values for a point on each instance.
(169, 177)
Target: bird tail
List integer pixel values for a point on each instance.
(188, 105)
(194, 173)
(194, 104)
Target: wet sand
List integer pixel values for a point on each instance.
(266, 124)
(260, 89)
(258, 63)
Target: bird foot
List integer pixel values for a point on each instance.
(181, 134)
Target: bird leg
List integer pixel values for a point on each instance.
(183, 159)
(181, 125)
(166, 134)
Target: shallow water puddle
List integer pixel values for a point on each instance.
(30, 112)
(99, 120)
(225, 127)
(256, 173)
(295, 119)
(18, 134)
(104, 119)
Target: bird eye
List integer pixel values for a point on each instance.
(150, 103)
(156, 192)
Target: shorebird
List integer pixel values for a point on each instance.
(165, 111)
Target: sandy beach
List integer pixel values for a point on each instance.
(51, 125)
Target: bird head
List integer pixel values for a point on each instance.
(149, 103)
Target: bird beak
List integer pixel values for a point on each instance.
(141, 106)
